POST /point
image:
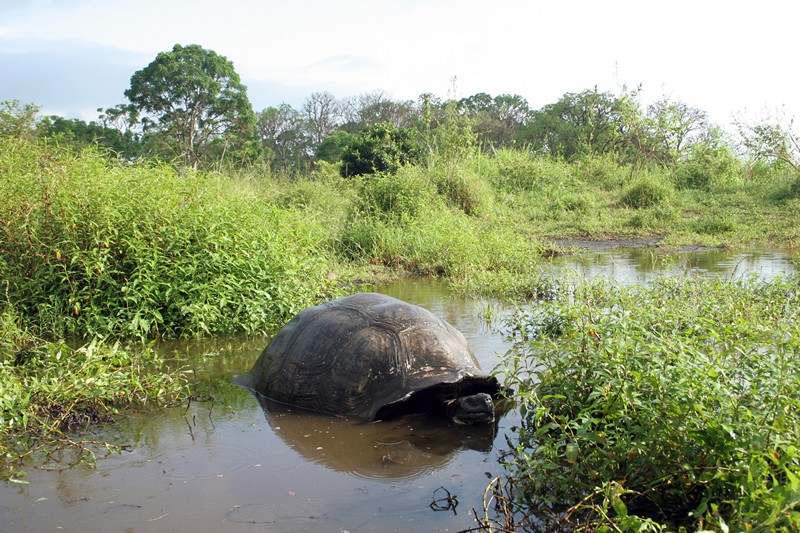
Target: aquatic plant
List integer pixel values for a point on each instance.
(671, 406)
(50, 392)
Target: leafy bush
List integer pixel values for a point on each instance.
(396, 197)
(603, 171)
(707, 167)
(662, 407)
(464, 188)
(379, 148)
(50, 390)
(90, 248)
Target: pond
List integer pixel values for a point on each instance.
(229, 465)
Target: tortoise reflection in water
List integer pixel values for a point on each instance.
(370, 357)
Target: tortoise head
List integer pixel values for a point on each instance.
(472, 409)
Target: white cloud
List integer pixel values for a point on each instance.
(721, 56)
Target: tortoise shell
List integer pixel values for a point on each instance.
(367, 356)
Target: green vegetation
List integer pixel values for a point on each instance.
(91, 248)
(192, 105)
(645, 408)
(50, 391)
(657, 408)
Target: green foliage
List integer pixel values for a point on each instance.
(283, 139)
(586, 123)
(191, 98)
(646, 191)
(604, 172)
(91, 248)
(82, 135)
(402, 221)
(674, 128)
(464, 188)
(333, 148)
(709, 165)
(48, 391)
(379, 148)
(18, 119)
(659, 407)
(448, 136)
(398, 197)
(496, 120)
(772, 139)
(515, 171)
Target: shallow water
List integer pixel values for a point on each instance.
(642, 265)
(229, 465)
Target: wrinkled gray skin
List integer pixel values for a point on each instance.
(370, 357)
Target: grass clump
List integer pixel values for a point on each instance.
(646, 191)
(661, 407)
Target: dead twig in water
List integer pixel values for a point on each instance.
(447, 503)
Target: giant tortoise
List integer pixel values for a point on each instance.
(369, 356)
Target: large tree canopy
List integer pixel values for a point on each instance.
(590, 122)
(191, 97)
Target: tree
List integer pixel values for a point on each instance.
(284, 138)
(773, 138)
(496, 119)
(379, 148)
(18, 119)
(590, 122)
(322, 114)
(82, 134)
(675, 127)
(333, 147)
(190, 97)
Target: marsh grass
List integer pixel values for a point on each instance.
(50, 392)
(661, 407)
(93, 248)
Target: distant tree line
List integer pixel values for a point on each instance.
(189, 107)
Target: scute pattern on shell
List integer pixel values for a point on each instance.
(357, 354)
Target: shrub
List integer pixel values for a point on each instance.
(379, 148)
(396, 197)
(515, 170)
(464, 188)
(90, 248)
(661, 407)
(707, 168)
(603, 171)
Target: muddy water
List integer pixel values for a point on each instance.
(642, 264)
(229, 465)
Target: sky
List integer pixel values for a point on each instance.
(726, 57)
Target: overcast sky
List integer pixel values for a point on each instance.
(725, 57)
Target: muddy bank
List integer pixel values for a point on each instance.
(611, 243)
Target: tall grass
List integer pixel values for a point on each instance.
(662, 407)
(92, 248)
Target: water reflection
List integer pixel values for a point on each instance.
(408, 447)
(642, 265)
